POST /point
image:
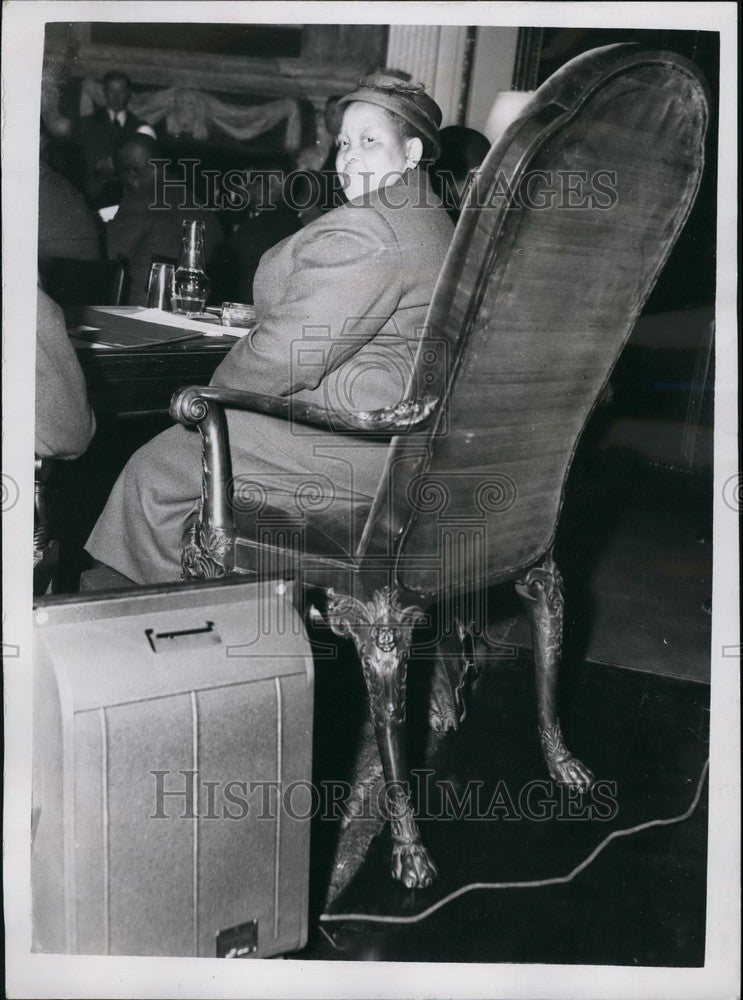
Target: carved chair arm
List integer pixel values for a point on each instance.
(203, 407)
(190, 405)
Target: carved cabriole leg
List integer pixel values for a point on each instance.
(541, 591)
(381, 630)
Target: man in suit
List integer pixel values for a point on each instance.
(99, 135)
(140, 233)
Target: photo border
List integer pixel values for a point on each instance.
(36, 975)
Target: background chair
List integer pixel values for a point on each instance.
(72, 282)
(46, 549)
(566, 229)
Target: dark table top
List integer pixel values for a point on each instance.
(124, 381)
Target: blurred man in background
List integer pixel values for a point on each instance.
(141, 233)
(99, 135)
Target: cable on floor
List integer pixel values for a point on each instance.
(532, 884)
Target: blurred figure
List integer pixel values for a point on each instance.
(99, 135)
(188, 119)
(321, 154)
(319, 160)
(65, 424)
(267, 220)
(69, 247)
(63, 429)
(462, 151)
(140, 233)
(67, 227)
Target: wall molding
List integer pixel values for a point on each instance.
(434, 55)
(264, 78)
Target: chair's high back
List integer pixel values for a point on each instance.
(573, 216)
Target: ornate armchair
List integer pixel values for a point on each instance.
(566, 229)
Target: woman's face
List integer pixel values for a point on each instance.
(370, 155)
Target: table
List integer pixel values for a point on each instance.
(123, 382)
(129, 381)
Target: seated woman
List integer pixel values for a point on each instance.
(339, 308)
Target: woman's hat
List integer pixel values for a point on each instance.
(408, 100)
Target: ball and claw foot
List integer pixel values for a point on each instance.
(411, 863)
(571, 772)
(564, 768)
(413, 866)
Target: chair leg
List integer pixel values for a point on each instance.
(453, 666)
(381, 630)
(541, 591)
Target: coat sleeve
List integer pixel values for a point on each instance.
(344, 285)
(65, 424)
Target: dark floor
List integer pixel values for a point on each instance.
(641, 902)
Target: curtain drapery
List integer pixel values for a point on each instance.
(187, 112)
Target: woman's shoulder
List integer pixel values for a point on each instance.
(414, 212)
(396, 219)
(350, 221)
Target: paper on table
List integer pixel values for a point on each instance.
(200, 325)
(132, 327)
(206, 323)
